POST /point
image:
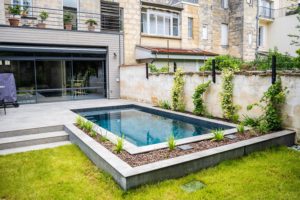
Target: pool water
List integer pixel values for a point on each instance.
(142, 128)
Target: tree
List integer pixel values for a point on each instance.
(296, 36)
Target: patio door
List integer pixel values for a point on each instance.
(53, 80)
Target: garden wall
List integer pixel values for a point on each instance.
(248, 88)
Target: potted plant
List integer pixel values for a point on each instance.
(91, 24)
(68, 17)
(24, 12)
(14, 10)
(43, 16)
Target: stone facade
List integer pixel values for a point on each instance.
(240, 17)
(248, 89)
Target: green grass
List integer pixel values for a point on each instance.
(65, 173)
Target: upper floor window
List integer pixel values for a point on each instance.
(205, 32)
(22, 2)
(261, 36)
(70, 13)
(159, 23)
(224, 4)
(224, 34)
(190, 27)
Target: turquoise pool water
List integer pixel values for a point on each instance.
(146, 127)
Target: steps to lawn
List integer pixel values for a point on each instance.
(34, 139)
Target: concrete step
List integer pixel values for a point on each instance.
(31, 131)
(34, 147)
(33, 139)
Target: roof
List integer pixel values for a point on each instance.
(158, 50)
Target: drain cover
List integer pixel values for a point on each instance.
(231, 137)
(185, 147)
(192, 186)
(295, 147)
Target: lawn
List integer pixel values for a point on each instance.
(66, 173)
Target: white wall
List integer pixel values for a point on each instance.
(278, 34)
(248, 89)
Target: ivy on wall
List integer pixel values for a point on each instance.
(271, 103)
(200, 108)
(229, 109)
(178, 91)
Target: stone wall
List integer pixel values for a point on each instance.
(2, 12)
(248, 89)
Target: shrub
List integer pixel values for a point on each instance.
(252, 122)
(93, 133)
(154, 69)
(271, 104)
(263, 127)
(200, 108)
(229, 109)
(218, 135)
(14, 10)
(164, 104)
(171, 142)
(119, 145)
(178, 91)
(223, 62)
(44, 16)
(91, 22)
(283, 61)
(240, 128)
(80, 122)
(88, 126)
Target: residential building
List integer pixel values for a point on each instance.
(188, 32)
(51, 63)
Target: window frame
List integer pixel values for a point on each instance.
(153, 30)
(190, 27)
(204, 27)
(225, 44)
(225, 4)
(261, 36)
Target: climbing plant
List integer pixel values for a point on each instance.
(200, 108)
(229, 109)
(271, 104)
(178, 91)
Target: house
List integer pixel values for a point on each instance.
(185, 33)
(61, 57)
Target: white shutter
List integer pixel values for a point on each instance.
(224, 34)
(204, 32)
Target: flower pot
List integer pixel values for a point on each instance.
(68, 27)
(41, 25)
(14, 22)
(91, 28)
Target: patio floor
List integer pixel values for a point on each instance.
(48, 114)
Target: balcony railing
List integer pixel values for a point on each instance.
(79, 20)
(266, 12)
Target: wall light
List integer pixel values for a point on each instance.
(115, 55)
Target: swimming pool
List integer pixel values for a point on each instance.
(143, 126)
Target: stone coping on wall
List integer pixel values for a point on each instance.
(245, 73)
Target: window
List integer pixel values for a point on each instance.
(224, 4)
(224, 35)
(25, 4)
(204, 32)
(261, 33)
(159, 23)
(70, 7)
(190, 27)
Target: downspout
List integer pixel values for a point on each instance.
(257, 27)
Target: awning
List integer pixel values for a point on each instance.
(52, 49)
(147, 53)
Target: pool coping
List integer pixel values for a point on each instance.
(130, 177)
(133, 149)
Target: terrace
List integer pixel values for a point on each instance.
(110, 19)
